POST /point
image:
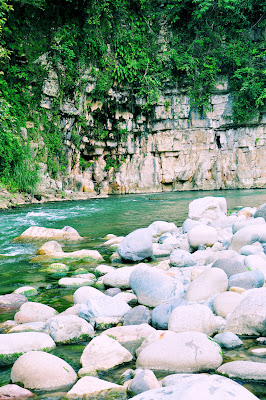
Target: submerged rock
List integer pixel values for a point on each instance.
(39, 233)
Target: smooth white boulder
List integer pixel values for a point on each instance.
(246, 370)
(33, 312)
(136, 246)
(69, 329)
(130, 336)
(28, 327)
(181, 258)
(78, 280)
(13, 392)
(118, 278)
(27, 291)
(208, 207)
(194, 317)
(202, 234)
(91, 388)
(104, 353)
(39, 233)
(256, 263)
(37, 370)
(205, 285)
(13, 345)
(158, 228)
(226, 302)
(83, 294)
(181, 352)
(248, 235)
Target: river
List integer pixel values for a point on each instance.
(94, 219)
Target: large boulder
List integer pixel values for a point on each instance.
(136, 246)
(42, 371)
(197, 386)
(226, 302)
(39, 233)
(229, 266)
(13, 345)
(104, 353)
(248, 235)
(33, 312)
(119, 277)
(208, 283)
(248, 318)
(160, 315)
(246, 370)
(247, 280)
(181, 258)
(256, 263)
(181, 352)
(69, 329)
(243, 223)
(158, 228)
(261, 212)
(83, 294)
(14, 392)
(194, 317)
(202, 235)
(153, 287)
(12, 301)
(91, 388)
(208, 207)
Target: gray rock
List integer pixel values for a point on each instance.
(144, 380)
(229, 266)
(160, 315)
(248, 318)
(13, 301)
(93, 388)
(181, 352)
(229, 340)
(153, 287)
(69, 329)
(13, 392)
(208, 283)
(247, 370)
(42, 371)
(104, 353)
(194, 317)
(198, 386)
(247, 280)
(138, 315)
(181, 258)
(248, 235)
(136, 246)
(112, 291)
(13, 345)
(261, 212)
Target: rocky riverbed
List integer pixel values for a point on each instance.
(177, 313)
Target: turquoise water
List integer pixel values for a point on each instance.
(94, 219)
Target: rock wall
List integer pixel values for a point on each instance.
(175, 148)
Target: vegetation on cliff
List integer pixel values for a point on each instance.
(141, 45)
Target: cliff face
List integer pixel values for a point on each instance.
(175, 148)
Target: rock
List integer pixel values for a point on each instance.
(83, 294)
(104, 269)
(228, 340)
(104, 353)
(105, 306)
(93, 388)
(118, 278)
(78, 280)
(12, 301)
(129, 298)
(247, 370)
(181, 258)
(181, 352)
(156, 336)
(248, 318)
(248, 235)
(229, 266)
(261, 212)
(208, 207)
(158, 228)
(144, 380)
(226, 302)
(28, 327)
(54, 255)
(40, 233)
(236, 289)
(197, 386)
(248, 250)
(208, 283)
(50, 248)
(33, 312)
(153, 287)
(202, 234)
(112, 292)
(113, 242)
(256, 263)
(69, 329)
(13, 345)
(246, 223)
(42, 371)
(57, 268)
(138, 315)
(27, 291)
(13, 392)
(160, 315)
(189, 224)
(194, 317)
(136, 246)
(130, 336)
(7, 325)
(247, 280)
(162, 250)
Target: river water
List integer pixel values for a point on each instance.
(94, 219)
